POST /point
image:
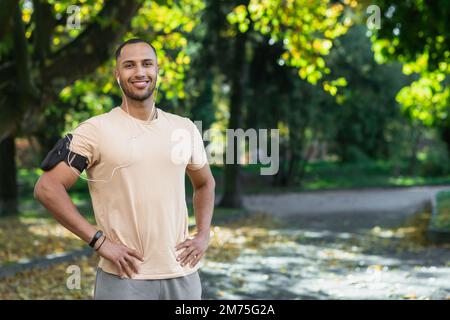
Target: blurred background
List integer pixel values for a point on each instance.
(359, 208)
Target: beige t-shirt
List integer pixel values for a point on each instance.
(138, 194)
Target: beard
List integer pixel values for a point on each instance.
(129, 93)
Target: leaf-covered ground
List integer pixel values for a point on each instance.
(22, 239)
(258, 257)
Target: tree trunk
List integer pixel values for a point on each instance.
(8, 182)
(445, 135)
(412, 164)
(232, 197)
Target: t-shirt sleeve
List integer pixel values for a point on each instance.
(85, 141)
(198, 157)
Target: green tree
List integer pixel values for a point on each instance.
(304, 29)
(366, 106)
(53, 76)
(32, 71)
(417, 33)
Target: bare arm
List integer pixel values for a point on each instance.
(51, 191)
(203, 200)
(204, 185)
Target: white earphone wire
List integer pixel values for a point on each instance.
(132, 138)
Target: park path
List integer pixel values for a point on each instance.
(346, 210)
(337, 246)
(365, 201)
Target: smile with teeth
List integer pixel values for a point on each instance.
(140, 84)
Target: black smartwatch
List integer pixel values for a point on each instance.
(97, 236)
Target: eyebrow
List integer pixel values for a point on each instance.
(128, 61)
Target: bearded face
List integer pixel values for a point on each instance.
(137, 71)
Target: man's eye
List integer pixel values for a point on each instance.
(147, 64)
(128, 65)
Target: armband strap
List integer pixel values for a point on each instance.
(61, 152)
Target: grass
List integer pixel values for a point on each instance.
(329, 175)
(369, 174)
(320, 175)
(441, 219)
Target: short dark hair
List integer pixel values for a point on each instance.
(131, 41)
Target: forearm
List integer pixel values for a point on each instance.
(203, 202)
(55, 198)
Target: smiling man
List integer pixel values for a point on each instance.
(137, 188)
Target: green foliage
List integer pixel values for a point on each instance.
(305, 28)
(414, 28)
(434, 161)
(285, 39)
(365, 108)
(417, 33)
(427, 99)
(167, 25)
(441, 220)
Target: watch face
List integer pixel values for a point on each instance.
(97, 236)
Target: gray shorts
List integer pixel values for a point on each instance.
(111, 287)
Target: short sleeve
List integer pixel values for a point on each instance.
(198, 157)
(85, 141)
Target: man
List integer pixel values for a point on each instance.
(136, 160)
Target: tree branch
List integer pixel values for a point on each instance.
(74, 61)
(25, 82)
(179, 29)
(6, 6)
(92, 47)
(45, 23)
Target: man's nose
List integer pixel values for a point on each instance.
(140, 72)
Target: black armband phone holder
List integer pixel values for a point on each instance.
(60, 152)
